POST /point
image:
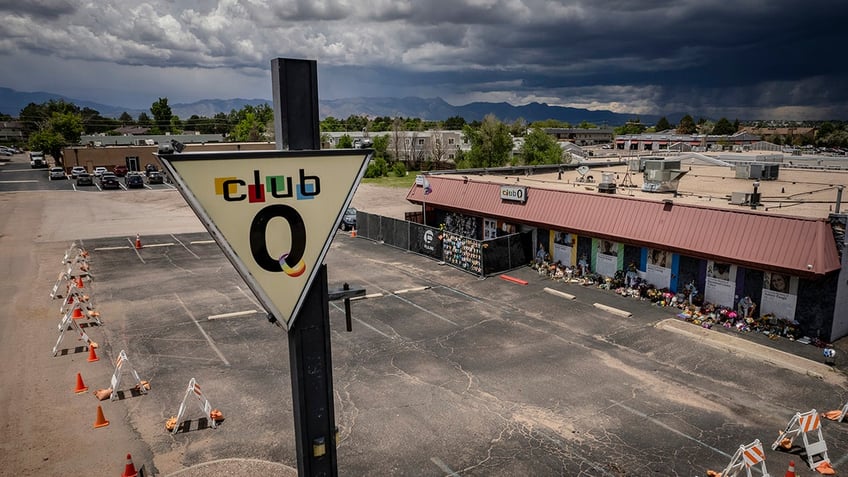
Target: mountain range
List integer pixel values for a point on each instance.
(12, 102)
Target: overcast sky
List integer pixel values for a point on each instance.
(735, 58)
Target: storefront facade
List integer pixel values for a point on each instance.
(790, 267)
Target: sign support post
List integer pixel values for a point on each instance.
(297, 126)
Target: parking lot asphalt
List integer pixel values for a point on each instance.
(443, 374)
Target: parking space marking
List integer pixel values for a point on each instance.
(202, 331)
(250, 297)
(425, 310)
(447, 470)
(669, 428)
(184, 246)
(232, 315)
(201, 242)
(154, 245)
(408, 290)
(375, 330)
(132, 246)
(104, 249)
(16, 182)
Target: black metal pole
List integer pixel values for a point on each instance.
(296, 125)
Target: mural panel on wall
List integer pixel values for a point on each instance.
(658, 268)
(720, 286)
(564, 247)
(780, 295)
(607, 257)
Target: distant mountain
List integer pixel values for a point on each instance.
(12, 102)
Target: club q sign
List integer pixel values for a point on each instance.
(514, 193)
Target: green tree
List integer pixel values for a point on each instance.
(381, 145)
(540, 148)
(550, 123)
(686, 125)
(723, 127)
(518, 128)
(454, 123)
(331, 124)
(345, 142)
(634, 126)
(161, 115)
(249, 129)
(587, 125)
(144, 120)
(491, 144)
(126, 119)
(663, 124)
(59, 131)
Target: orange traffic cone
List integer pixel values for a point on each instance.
(129, 469)
(80, 284)
(81, 387)
(101, 420)
(137, 242)
(790, 472)
(77, 313)
(353, 232)
(92, 355)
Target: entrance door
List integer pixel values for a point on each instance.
(132, 163)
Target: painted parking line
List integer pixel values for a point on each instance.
(201, 242)
(364, 297)
(425, 310)
(408, 290)
(17, 182)
(154, 245)
(447, 470)
(232, 315)
(202, 331)
(184, 246)
(670, 429)
(104, 249)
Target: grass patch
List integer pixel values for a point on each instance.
(392, 181)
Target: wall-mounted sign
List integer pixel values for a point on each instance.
(514, 193)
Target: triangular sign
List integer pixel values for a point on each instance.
(273, 213)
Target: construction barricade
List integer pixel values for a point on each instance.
(123, 363)
(214, 415)
(808, 426)
(69, 324)
(746, 457)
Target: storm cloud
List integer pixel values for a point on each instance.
(744, 59)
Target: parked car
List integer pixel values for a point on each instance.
(99, 171)
(109, 180)
(120, 171)
(84, 178)
(4, 151)
(348, 219)
(134, 180)
(155, 177)
(57, 173)
(77, 170)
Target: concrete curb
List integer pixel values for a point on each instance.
(757, 351)
(614, 311)
(561, 294)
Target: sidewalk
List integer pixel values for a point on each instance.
(792, 355)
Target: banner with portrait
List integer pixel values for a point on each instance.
(658, 268)
(720, 285)
(563, 247)
(607, 257)
(780, 295)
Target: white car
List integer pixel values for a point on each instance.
(76, 170)
(57, 173)
(99, 171)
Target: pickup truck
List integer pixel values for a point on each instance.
(37, 160)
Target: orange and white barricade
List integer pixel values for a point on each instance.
(837, 415)
(64, 277)
(80, 304)
(124, 363)
(808, 426)
(214, 416)
(745, 458)
(69, 324)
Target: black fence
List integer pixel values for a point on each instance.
(477, 257)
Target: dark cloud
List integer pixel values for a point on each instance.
(708, 57)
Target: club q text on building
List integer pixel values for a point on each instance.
(514, 193)
(273, 213)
